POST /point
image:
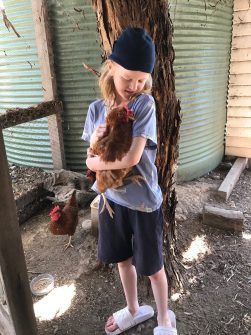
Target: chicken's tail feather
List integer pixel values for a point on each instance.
(107, 206)
(136, 179)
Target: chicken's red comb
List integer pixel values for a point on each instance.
(54, 210)
(129, 113)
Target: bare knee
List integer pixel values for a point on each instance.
(125, 264)
(158, 276)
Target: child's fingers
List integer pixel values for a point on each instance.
(101, 129)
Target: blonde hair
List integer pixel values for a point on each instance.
(107, 87)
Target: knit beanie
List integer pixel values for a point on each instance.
(134, 50)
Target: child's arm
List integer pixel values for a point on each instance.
(130, 159)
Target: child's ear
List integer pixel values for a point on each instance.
(110, 66)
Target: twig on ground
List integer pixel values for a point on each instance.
(227, 323)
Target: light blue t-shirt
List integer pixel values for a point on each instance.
(146, 197)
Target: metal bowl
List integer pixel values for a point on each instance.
(42, 284)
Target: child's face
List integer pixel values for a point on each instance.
(127, 82)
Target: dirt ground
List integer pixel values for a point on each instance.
(216, 299)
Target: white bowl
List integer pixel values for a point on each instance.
(42, 284)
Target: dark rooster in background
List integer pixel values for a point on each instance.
(114, 145)
(64, 220)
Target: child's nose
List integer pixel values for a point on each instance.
(133, 85)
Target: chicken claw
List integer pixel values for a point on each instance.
(68, 245)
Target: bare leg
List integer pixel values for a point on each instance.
(128, 278)
(160, 292)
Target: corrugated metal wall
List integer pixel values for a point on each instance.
(75, 40)
(20, 85)
(202, 38)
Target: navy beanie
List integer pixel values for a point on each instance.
(134, 50)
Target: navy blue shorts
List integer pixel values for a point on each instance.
(133, 234)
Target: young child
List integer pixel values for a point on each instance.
(133, 238)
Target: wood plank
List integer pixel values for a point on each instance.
(231, 178)
(226, 219)
(239, 112)
(239, 122)
(240, 67)
(12, 260)
(240, 42)
(239, 142)
(242, 16)
(242, 29)
(241, 55)
(241, 5)
(240, 79)
(240, 91)
(238, 152)
(45, 58)
(15, 116)
(6, 326)
(238, 132)
(239, 101)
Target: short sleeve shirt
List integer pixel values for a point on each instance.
(147, 196)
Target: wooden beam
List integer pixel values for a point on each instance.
(223, 218)
(239, 122)
(241, 42)
(15, 116)
(238, 142)
(239, 111)
(45, 58)
(240, 91)
(240, 79)
(241, 55)
(238, 132)
(243, 16)
(240, 67)
(243, 29)
(232, 177)
(12, 260)
(241, 5)
(239, 152)
(6, 326)
(239, 101)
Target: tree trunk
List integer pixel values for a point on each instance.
(153, 16)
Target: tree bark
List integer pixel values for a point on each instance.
(153, 16)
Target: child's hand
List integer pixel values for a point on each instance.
(98, 133)
(101, 130)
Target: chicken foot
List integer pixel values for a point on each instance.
(68, 245)
(107, 206)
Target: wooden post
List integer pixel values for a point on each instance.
(12, 260)
(232, 177)
(45, 58)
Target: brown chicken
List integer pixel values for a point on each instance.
(114, 145)
(64, 220)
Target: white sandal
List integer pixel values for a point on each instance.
(162, 330)
(125, 320)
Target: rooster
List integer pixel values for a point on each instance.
(64, 220)
(114, 145)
